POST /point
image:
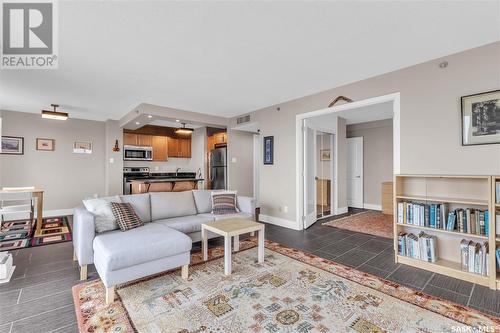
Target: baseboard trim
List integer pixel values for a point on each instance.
(46, 213)
(372, 207)
(278, 221)
(341, 210)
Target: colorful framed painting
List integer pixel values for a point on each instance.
(481, 118)
(12, 145)
(45, 144)
(269, 150)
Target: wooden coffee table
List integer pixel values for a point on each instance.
(232, 228)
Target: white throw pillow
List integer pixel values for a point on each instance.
(101, 209)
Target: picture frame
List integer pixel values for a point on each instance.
(268, 150)
(12, 145)
(325, 155)
(481, 118)
(82, 147)
(45, 144)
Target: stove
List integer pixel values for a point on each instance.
(133, 173)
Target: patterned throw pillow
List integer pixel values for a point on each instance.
(125, 216)
(224, 202)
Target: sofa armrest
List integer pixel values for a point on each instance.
(246, 204)
(83, 235)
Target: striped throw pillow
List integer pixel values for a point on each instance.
(224, 203)
(125, 216)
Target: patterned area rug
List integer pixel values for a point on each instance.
(19, 234)
(291, 292)
(369, 222)
(54, 230)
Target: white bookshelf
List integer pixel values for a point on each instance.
(457, 191)
(494, 238)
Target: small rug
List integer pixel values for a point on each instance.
(54, 230)
(291, 291)
(9, 245)
(369, 222)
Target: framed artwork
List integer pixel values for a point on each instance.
(481, 118)
(12, 145)
(82, 147)
(45, 144)
(269, 150)
(325, 155)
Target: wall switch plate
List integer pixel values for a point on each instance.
(285, 209)
(233, 159)
(111, 160)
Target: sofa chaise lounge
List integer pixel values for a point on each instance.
(172, 221)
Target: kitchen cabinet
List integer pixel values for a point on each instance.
(130, 139)
(144, 140)
(210, 143)
(185, 148)
(220, 138)
(159, 144)
(179, 147)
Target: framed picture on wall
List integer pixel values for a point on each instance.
(45, 144)
(12, 145)
(82, 147)
(481, 118)
(269, 150)
(325, 155)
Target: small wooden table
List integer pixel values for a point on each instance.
(38, 194)
(232, 228)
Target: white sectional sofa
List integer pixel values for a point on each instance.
(172, 222)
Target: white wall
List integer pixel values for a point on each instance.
(240, 171)
(430, 122)
(65, 177)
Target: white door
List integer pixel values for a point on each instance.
(309, 175)
(355, 172)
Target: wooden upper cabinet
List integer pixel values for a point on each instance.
(210, 143)
(145, 140)
(130, 139)
(185, 148)
(173, 147)
(220, 138)
(159, 144)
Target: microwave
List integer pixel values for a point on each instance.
(137, 153)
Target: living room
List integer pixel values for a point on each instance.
(264, 240)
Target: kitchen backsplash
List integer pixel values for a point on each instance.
(170, 166)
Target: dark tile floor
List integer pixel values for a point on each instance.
(38, 298)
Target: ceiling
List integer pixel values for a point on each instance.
(229, 58)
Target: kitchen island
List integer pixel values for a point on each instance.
(164, 185)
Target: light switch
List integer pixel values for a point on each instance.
(233, 160)
(111, 160)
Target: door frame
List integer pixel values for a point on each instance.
(308, 223)
(395, 98)
(362, 171)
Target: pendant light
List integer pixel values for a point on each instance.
(183, 130)
(54, 114)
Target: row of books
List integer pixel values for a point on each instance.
(423, 246)
(474, 257)
(472, 221)
(497, 192)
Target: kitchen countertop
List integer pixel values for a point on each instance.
(166, 180)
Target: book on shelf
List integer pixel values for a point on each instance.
(438, 216)
(474, 257)
(423, 246)
(497, 254)
(497, 222)
(497, 191)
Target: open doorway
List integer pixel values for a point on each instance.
(364, 156)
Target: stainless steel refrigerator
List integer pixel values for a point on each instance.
(218, 168)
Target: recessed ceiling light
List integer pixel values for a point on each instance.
(137, 123)
(150, 116)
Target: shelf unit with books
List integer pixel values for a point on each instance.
(495, 236)
(451, 193)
